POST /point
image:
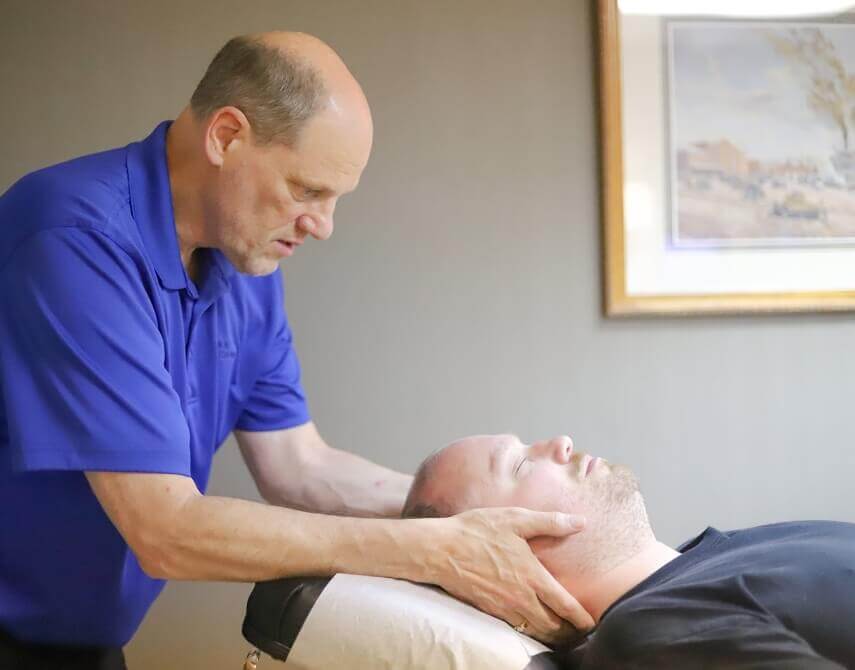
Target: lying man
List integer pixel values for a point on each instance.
(777, 596)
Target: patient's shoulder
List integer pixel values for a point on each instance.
(629, 633)
(647, 625)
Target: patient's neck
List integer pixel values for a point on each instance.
(597, 592)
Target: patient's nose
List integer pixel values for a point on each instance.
(559, 448)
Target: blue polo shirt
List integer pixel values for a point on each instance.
(112, 358)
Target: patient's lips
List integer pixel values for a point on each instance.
(593, 461)
(583, 464)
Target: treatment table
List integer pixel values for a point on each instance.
(353, 622)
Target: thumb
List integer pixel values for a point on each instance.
(555, 524)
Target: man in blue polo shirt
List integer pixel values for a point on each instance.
(141, 321)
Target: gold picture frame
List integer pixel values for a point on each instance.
(619, 300)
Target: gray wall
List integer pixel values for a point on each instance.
(461, 290)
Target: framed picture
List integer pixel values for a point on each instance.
(728, 160)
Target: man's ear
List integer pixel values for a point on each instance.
(227, 129)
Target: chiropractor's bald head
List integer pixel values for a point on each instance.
(280, 80)
(277, 130)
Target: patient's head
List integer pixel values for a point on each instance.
(501, 471)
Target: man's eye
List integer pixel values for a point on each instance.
(304, 192)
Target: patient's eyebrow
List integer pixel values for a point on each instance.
(495, 452)
(499, 457)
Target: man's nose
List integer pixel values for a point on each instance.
(319, 226)
(559, 449)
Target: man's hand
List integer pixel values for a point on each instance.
(484, 558)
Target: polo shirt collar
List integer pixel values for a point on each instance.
(217, 277)
(151, 206)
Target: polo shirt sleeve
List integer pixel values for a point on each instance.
(82, 360)
(277, 400)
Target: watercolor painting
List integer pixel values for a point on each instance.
(761, 133)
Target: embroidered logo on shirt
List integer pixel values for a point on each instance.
(226, 349)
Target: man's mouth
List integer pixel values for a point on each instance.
(592, 463)
(287, 247)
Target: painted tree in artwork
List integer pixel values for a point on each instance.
(831, 89)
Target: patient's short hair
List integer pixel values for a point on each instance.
(417, 505)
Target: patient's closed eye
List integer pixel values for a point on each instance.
(519, 466)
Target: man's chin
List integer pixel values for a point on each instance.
(256, 267)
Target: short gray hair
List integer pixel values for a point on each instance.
(416, 506)
(277, 91)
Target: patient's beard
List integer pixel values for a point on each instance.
(617, 529)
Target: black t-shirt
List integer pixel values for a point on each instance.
(779, 596)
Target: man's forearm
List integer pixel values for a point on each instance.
(296, 468)
(216, 538)
(480, 555)
(333, 481)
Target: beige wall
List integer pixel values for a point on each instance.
(460, 292)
